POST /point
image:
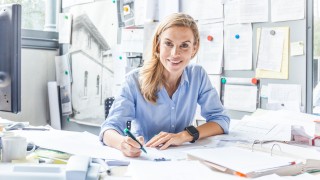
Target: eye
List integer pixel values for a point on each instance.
(184, 45)
(168, 43)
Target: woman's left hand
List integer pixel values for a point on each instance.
(165, 139)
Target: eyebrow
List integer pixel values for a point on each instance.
(182, 42)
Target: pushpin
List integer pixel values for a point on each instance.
(237, 36)
(272, 32)
(66, 72)
(114, 1)
(120, 57)
(66, 17)
(254, 81)
(125, 8)
(223, 80)
(210, 38)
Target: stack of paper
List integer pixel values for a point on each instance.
(241, 161)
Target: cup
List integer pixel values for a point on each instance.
(14, 148)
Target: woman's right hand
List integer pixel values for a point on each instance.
(130, 147)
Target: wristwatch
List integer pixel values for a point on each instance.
(193, 132)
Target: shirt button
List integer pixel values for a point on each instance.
(172, 126)
(172, 107)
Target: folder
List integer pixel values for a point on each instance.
(243, 162)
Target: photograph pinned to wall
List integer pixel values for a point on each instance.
(94, 32)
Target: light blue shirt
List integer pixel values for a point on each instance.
(168, 115)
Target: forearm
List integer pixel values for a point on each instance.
(112, 138)
(209, 129)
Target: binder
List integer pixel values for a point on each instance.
(244, 162)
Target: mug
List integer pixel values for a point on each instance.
(14, 148)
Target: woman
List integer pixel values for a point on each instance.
(161, 97)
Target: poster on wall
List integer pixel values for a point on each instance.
(94, 32)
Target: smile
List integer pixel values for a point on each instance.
(174, 62)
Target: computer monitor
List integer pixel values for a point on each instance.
(10, 58)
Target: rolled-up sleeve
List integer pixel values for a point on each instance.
(211, 107)
(122, 109)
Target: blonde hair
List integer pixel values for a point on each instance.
(151, 74)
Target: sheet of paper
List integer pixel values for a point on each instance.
(167, 7)
(139, 12)
(119, 68)
(286, 10)
(132, 40)
(281, 93)
(284, 73)
(211, 52)
(207, 9)
(238, 47)
(69, 3)
(240, 98)
(182, 170)
(63, 72)
(64, 26)
(270, 49)
(152, 10)
(237, 159)
(296, 48)
(239, 11)
(252, 129)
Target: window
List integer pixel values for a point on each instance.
(33, 13)
(98, 84)
(85, 93)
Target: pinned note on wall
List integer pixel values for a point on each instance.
(65, 26)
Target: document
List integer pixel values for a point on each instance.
(175, 170)
(207, 9)
(270, 49)
(238, 47)
(140, 12)
(240, 97)
(64, 26)
(132, 40)
(241, 161)
(296, 48)
(284, 72)
(284, 93)
(63, 72)
(211, 50)
(249, 11)
(286, 10)
(69, 3)
(167, 7)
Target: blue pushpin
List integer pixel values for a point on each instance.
(237, 36)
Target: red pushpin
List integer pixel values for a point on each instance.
(254, 81)
(210, 38)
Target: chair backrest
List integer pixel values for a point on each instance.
(107, 105)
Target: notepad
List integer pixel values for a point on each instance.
(241, 160)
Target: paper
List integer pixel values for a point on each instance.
(284, 72)
(240, 160)
(64, 26)
(240, 11)
(270, 49)
(280, 93)
(119, 68)
(211, 51)
(167, 7)
(251, 129)
(55, 120)
(139, 12)
(63, 72)
(132, 40)
(238, 47)
(285, 10)
(240, 98)
(69, 3)
(152, 10)
(182, 170)
(207, 9)
(296, 48)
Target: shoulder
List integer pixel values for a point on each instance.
(133, 74)
(195, 70)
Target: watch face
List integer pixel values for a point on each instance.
(192, 130)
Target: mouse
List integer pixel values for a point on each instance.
(15, 126)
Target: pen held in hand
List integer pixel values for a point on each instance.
(128, 133)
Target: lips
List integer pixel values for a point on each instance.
(174, 62)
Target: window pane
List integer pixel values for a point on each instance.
(33, 13)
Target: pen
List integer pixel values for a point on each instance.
(128, 133)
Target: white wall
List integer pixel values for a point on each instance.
(37, 68)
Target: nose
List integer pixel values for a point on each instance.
(175, 51)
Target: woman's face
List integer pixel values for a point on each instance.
(176, 49)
